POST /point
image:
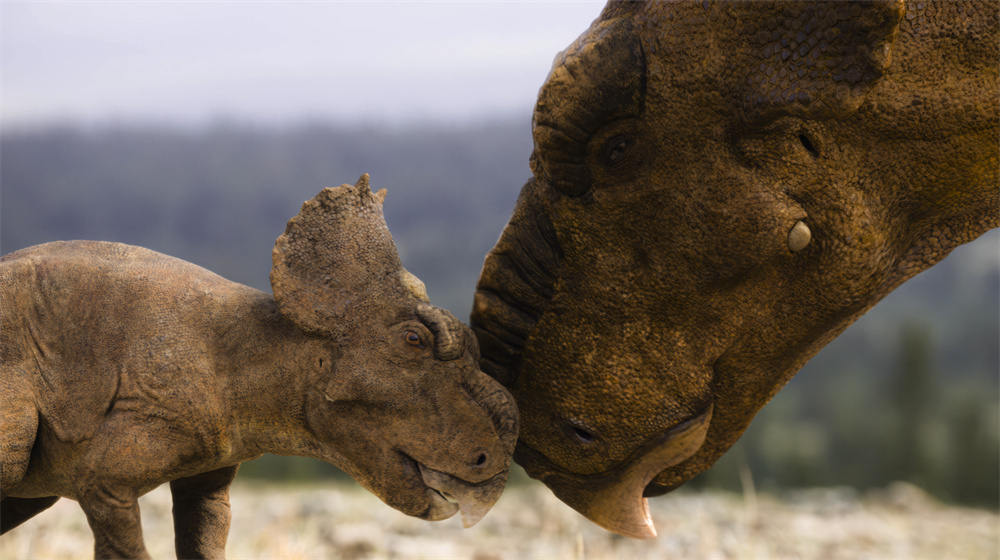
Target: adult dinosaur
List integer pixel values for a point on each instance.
(719, 189)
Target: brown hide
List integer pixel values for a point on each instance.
(123, 369)
(720, 188)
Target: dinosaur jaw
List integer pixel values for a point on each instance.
(449, 494)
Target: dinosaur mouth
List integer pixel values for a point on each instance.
(472, 500)
(615, 499)
(447, 494)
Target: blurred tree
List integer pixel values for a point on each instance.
(913, 398)
(973, 475)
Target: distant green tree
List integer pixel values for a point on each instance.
(973, 475)
(912, 398)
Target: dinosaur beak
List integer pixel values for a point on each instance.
(614, 499)
(473, 500)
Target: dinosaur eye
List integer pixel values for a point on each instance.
(412, 338)
(579, 434)
(808, 145)
(615, 149)
(583, 436)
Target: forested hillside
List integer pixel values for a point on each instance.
(220, 196)
(910, 392)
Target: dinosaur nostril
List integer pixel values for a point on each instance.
(481, 460)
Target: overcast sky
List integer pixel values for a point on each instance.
(192, 62)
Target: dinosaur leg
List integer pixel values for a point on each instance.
(18, 426)
(201, 513)
(113, 515)
(128, 453)
(14, 511)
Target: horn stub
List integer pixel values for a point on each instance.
(449, 336)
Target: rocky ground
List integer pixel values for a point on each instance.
(340, 521)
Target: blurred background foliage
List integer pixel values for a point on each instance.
(910, 392)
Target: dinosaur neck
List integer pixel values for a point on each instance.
(273, 368)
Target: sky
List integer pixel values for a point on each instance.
(273, 62)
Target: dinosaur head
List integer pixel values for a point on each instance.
(719, 189)
(404, 408)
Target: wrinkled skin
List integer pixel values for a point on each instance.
(123, 369)
(720, 188)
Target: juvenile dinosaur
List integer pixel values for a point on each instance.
(123, 369)
(719, 189)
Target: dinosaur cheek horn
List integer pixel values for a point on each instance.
(614, 500)
(449, 336)
(597, 79)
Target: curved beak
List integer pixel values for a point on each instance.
(614, 499)
(474, 500)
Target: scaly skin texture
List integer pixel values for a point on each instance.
(123, 369)
(720, 188)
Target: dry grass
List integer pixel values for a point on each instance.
(336, 521)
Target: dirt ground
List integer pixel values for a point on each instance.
(341, 521)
